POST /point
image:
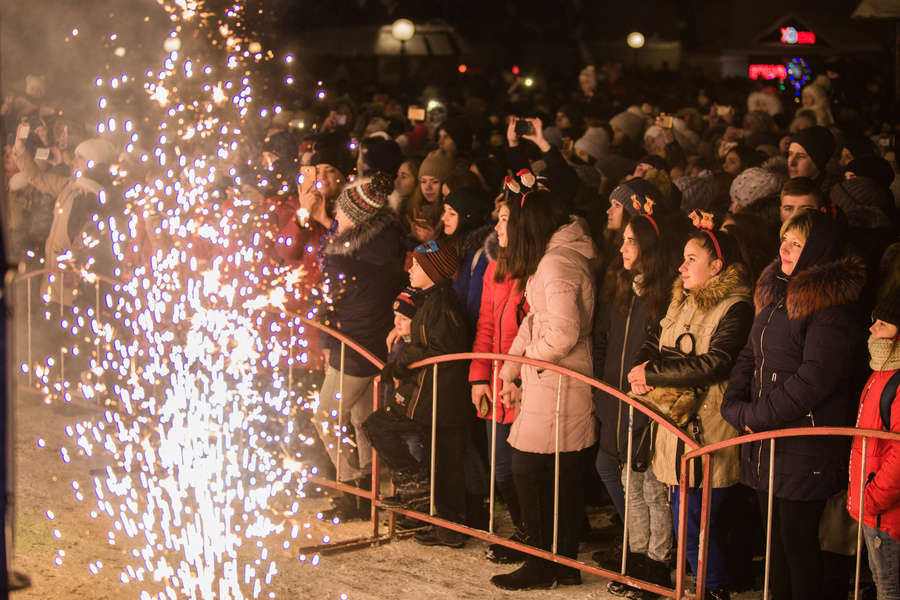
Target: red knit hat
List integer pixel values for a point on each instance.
(439, 260)
(404, 304)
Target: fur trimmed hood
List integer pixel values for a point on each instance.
(708, 295)
(349, 242)
(492, 247)
(817, 288)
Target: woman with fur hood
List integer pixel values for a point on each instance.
(704, 330)
(795, 371)
(362, 273)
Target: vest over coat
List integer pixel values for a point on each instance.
(718, 315)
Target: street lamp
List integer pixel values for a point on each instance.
(635, 39)
(403, 30)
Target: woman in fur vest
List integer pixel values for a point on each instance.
(704, 330)
(795, 371)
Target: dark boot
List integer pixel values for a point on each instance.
(658, 573)
(350, 507)
(440, 536)
(498, 553)
(635, 567)
(409, 489)
(536, 502)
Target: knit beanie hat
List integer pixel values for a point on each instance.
(629, 124)
(865, 203)
(594, 142)
(874, 167)
(764, 119)
(695, 194)
(471, 203)
(331, 156)
(615, 166)
(97, 150)
(638, 196)
(404, 305)
(437, 165)
(460, 131)
(438, 259)
(888, 309)
(361, 200)
(755, 183)
(859, 146)
(818, 142)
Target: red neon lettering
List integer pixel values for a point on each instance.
(768, 71)
(806, 37)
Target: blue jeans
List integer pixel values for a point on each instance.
(503, 460)
(884, 561)
(716, 568)
(649, 516)
(608, 470)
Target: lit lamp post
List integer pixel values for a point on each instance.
(403, 30)
(635, 40)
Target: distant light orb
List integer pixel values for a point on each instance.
(255, 47)
(635, 39)
(172, 44)
(403, 30)
(120, 51)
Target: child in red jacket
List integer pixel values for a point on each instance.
(881, 496)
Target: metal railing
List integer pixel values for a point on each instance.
(693, 452)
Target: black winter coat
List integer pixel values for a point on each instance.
(795, 372)
(437, 328)
(363, 275)
(617, 339)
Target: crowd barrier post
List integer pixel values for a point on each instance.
(495, 381)
(554, 546)
(771, 505)
(29, 364)
(862, 503)
(434, 391)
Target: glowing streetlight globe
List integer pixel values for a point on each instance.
(403, 30)
(635, 39)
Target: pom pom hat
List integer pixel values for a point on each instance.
(363, 199)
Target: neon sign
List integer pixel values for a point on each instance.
(768, 71)
(789, 35)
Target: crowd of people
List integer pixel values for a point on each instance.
(719, 261)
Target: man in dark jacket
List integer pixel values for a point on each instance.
(437, 328)
(362, 274)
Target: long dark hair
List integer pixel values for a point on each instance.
(652, 264)
(533, 219)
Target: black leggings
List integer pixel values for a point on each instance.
(796, 571)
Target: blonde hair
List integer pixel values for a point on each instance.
(800, 222)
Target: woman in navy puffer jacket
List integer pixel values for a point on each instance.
(795, 372)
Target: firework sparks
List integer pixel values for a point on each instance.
(183, 344)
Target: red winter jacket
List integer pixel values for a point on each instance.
(882, 493)
(498, 324)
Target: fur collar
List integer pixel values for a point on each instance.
(492, 247)
(817, 288)
(349, 242)
(475, 239)
(708, 295)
